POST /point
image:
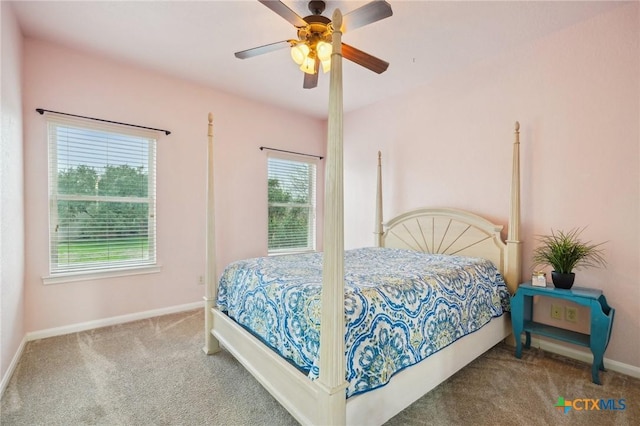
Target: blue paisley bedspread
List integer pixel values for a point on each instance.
(400, 307)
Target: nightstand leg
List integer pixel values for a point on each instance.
(598, 362)
(600, 326)
(594, 372)
(527, 340)
(518, 347)
(517, 322)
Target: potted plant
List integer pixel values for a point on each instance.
(564, 251)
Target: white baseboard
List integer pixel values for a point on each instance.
(585, 356)
(12, 366)
(105, 322)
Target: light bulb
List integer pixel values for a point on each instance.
(324, 51)
(309, 65)
(299, 52)
(326, 65)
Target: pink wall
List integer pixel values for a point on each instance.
(11, 194)
(63, 80)
(576, 94)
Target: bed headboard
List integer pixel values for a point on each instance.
(446, 231)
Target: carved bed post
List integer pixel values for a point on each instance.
(332, 407)
(514, 247)
(211, 343)
(379, 230)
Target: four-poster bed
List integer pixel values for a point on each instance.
(452, 232)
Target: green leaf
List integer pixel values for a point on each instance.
(564, 251)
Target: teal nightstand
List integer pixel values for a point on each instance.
(601, 320)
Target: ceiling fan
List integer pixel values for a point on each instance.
(312, 49)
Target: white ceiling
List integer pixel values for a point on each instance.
(195, 40)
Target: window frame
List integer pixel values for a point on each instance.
(97, 269)
(312, 204)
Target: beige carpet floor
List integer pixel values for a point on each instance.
(153, 372)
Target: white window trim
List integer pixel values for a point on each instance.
(98, 275)
(101, 272)
(313, 229)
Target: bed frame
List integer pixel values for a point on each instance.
(323, 401)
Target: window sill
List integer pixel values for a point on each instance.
(111, 273)
(286, 252)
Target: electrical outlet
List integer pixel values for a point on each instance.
(200, 280)
(571, 314)
(556, 311)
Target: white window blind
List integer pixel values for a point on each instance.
(292, 205)
(102, 186)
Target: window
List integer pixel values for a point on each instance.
(292, 205)
(101, 196)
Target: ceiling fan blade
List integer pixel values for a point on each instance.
(284, 11)
(311, 80)
(361, 58)
(249, 53)
(370, 12)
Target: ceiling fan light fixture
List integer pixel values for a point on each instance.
(326, 66)
(299, 53)
(308, 65)
(324, 51)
